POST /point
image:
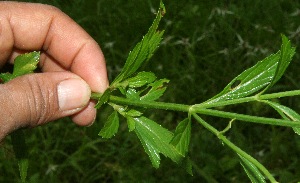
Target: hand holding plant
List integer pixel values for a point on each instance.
(132, 92)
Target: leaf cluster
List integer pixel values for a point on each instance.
(141, 90)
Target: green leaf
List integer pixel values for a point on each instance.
(130, 123)
(155, 140)
(23, 64)
(182, 136)
(5, 77)
(286, 113)
(111, 126)
(158, 88)
(144, 50)
(132, 94)
(133, 113)
(286, 54)
(26, 63)
(103, 99)
(141, 79)
(252, 171)
(261, 76)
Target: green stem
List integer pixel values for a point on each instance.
(150, 104)
(248, 118)
(235, 148)
(200, 110)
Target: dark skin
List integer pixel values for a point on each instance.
(72, 67)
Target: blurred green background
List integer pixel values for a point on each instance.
(206, 44)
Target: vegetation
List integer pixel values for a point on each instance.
(205, 46)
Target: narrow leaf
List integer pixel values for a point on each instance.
(182, 136)
(252, 171)
(286, 113)
(250, 81)
(259, 77)
(155, 140)
(111, 126)
(144, 50)
(286, 54)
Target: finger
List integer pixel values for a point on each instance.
(35, 99)
(87, 116)
(58, 35)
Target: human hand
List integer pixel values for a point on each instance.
(71, 61)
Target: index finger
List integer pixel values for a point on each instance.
(28, 26)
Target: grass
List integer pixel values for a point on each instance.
(207, 43)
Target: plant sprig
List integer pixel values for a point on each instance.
(132, 92)
(252, 85)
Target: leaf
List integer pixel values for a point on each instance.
(103, 99)
(286, 113)
(144, 50)
(132, 94)
(133, 113)
(261, 76)
(141, 79)
(252, 171)
(111, 126)
(182, 136)
(286, 54)
(156, 91)
(155, 140)
(130, 123)
(23, 64)
(26, 63)
(5, 77)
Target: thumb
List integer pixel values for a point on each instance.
(35, 99)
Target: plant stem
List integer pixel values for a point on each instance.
(248, 118)
(235, 148)
(150, 104)
(201, 110)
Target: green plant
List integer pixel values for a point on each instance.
(132, 92)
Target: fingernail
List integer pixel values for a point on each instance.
(73, 94)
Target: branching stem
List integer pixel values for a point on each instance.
(235, 148)
(201, 110)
